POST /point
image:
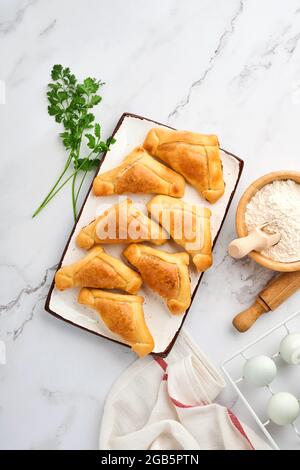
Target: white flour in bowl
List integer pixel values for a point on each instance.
(278, 204)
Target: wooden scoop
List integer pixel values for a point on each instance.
(257, 240)
(276, 292)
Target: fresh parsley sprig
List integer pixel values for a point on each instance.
(70, 102)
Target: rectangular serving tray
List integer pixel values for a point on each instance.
(129, 132)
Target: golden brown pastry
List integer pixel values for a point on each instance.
(166, 273)
(195, 156)
(139, 173)
(188, 225)
(98, 269)
(121, 223)
(123, 315)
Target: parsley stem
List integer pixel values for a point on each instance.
(45, 201)
(73, 197)
(80, 186)
(62, 185)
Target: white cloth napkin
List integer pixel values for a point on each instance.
(168, 404)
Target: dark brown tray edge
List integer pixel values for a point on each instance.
(47, 303)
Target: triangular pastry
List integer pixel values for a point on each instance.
(188, 225)
(166, 273)
(139, 173)
(100, 270)
(121, 223)
(195, 156)
(123, 315)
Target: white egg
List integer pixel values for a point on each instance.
(283, 408)
(259, 370)
(290, 348)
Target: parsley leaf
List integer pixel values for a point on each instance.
(86, 164)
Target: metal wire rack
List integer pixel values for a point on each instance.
(263, 425)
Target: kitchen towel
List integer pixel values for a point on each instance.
(167, 404)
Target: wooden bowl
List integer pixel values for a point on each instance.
(240, 218)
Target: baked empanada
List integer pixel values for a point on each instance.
(166, 273)
(121, 223)
(100, 270)
(123, 315)
(139, 173)
(188, 225)
(195, 156)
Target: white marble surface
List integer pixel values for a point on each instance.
(231, 68)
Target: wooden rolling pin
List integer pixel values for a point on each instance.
(276, 292)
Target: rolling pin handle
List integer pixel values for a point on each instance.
(244, 320)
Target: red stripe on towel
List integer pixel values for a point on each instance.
(183, 405)
(179, 404)
(237, 424)
(161, 362)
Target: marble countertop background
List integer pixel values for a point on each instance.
(230, 68)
